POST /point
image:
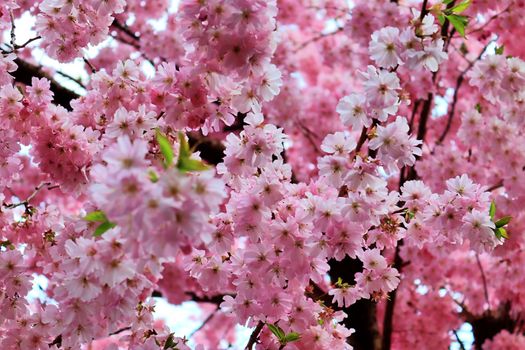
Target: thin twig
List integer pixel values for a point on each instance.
(125, 29)
(499, 184)
(25, 202)
(120, 331)
(76, 80)
(317, 38)
(484, 279)
(490, 20)
(93, 69)
(14, 45)
(413, 117)
(461, 345)
(13, 37)
(309, 135)
(362, 139)
(206, 320)
(254, 336)
(29, 41)
(459, 82)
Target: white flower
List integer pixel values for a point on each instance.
(433, 55)
(340, 143)
(352, 109)
(271, 83)
(384, 46)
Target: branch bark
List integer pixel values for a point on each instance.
(459, 83)
(362, 313)
(26, 71)
(254, 337)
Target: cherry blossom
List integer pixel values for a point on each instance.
(327, 174)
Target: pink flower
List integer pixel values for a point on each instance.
(372, 259)
(340, 143)
(345, 296)
(127, 155)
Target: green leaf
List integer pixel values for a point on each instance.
(188, 164)
(446, 2)
(165, 148)
(277, 331)
(499, 50)
(103, 227)
(459, 22)
(290, 337)
(492, 210)
(464, 49)
(185, 162)
(153, 176)
(500, 233)
(441, 19)
(184, 150)
(96, 216)
(169, 342)
(503, 221)
(478, 108)
(7, 244)
(461, 7)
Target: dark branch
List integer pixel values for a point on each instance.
(388, 321)
(37, 189)
(459, 82)
(216, 299)
(254, 337)
(26, 71)
(120, 331)
(461, 345)
(499, 184)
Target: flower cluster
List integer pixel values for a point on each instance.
(68, 27)
(241, 154)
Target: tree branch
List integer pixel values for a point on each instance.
(459, 82)
(484, 279)
(388, 321)
(254, 337)
(216, 299)
(206, 320)
(461, 345)
(121, 330)
(26, 71)
(499, 184)
(25, 202)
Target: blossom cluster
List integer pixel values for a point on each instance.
(69, 26)
(232, 152)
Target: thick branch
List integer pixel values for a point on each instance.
(362, 314)
(388, 321)
(26, 71)
(254, 336)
